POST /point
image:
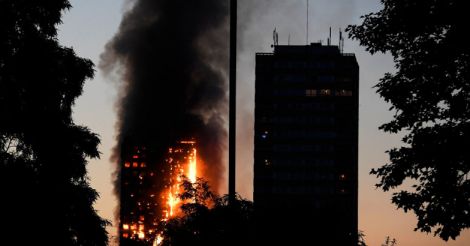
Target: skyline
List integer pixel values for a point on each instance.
(89, 25)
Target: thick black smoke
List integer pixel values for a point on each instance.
(172, 59)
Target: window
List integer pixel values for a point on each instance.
(343, 93)
(311, 93)
(325, 92)
(326, 79)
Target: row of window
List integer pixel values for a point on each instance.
(314, 65)
(311, 93)
(317, 190)
(302, 119)
(305, 106)
(134, 164)
(299, 134)
(328, 92)
(291, 148)
(303, 78)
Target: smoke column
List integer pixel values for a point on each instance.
(171, 58)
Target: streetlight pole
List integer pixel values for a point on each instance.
(232, 101)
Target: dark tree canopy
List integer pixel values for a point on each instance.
(209, 219)
(46, 196)
(430, 95)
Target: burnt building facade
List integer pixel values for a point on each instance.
(150, 185)
(306, 146)
(139, 196)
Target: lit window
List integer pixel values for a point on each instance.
(135, 164)
(267, 162)
(141, 235)
(133, 227)
(125, 227)
(343, 93)
(125, 235)
(142, 164)
(127, 164)
(325, 92)
(311, 93)
(141, 227)
(135, 156)
(342, 176)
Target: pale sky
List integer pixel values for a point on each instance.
(90, 24)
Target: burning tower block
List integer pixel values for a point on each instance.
(139, 203)
(150, 189)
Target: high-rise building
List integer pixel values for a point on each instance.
(150, 185)
(306, 146)
(139, 203)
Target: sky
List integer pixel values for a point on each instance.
(90, 24)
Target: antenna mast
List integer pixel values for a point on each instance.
(341, 41)
(275, 37)
(329, 38)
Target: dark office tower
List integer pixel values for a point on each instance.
(306, 146)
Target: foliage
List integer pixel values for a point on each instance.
(46, 196)
(361, 239)
(430, 95)
(209, 219)
(390, 241)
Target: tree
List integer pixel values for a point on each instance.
(209, 219)
(46, 196)
(389, 241)
(361, 239)
(430, 95)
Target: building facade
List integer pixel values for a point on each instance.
(306, 146)
(150, 185)
(139, 197)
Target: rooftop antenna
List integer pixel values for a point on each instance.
(275, 37)
(306, 38)
(329, 38)
(341, 41)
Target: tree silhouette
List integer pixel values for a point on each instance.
(208, 219)
(430, 95)
(361, 239)
(389, 241)
(46, 196)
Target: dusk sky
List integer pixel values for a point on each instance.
(89, 25)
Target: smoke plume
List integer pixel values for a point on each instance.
(171, 58)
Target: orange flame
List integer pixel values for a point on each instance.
(192, 167)
(188, 168)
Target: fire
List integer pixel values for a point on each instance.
(192, 167)
(182, 162)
